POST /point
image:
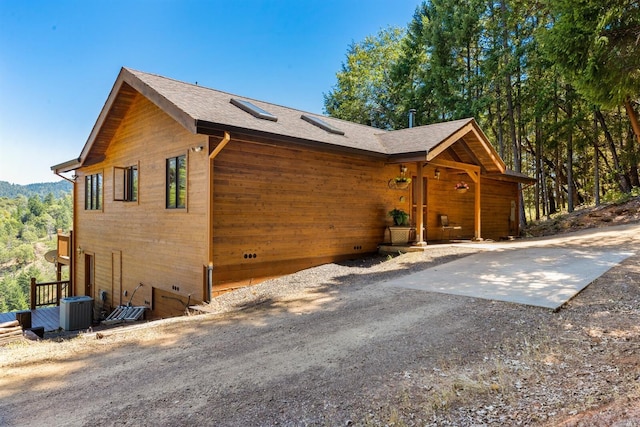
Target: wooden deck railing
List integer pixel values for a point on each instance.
(49, 293)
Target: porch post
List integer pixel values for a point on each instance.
(477, 206)
(419, 203)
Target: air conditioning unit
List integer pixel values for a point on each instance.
(75, 312)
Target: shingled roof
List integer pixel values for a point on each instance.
(206, 111)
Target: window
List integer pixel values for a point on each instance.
(176, 182)
(125, 184)
(93, 192)
(253, 109)
(321, 124)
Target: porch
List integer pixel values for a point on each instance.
(443, 235)
(459, 188)
(44, 298)
(47, 317)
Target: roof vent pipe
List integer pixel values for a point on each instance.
(412, 115)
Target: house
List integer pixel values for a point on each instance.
(182, 192)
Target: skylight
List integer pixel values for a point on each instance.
(254, 110)
(321, 124)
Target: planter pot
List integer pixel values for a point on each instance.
(400, 235)
(461, 190)
(398, 185)
(402, 185)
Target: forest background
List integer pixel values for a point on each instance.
(554, 83)
(30, 216)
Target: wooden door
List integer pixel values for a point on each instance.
(89, 274)
(116, 278)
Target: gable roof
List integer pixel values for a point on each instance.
(431, 141)
(201, 110)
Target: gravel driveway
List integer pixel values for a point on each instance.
(330, 346)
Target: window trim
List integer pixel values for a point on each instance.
(177, 183)
(94, 192)
(126, 188)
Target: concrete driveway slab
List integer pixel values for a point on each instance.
(545, 277)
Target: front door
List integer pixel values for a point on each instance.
(89, 274)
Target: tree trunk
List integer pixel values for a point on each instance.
(500, 123)
(596, 167)
(632, 159)
(633, 118)
(622, 179)
(539, 178)
(558, 170)
(570, 201)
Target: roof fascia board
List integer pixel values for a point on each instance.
(125, 76)
(420, 156)
(67, 166)
(160, 101)
(489, 148)
(447, 142)
(471, 126)
(511, 178)
(106, 108)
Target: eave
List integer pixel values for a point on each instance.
(480, 150)
(217, 129)
(67, 166)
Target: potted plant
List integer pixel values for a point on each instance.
(399, 216)
(462, 187)
(400, 182)
(401, 230)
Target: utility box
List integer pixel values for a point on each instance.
(75, 312)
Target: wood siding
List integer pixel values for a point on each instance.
(443, 199)
(158, 247)
(497, 200)
(279, 209)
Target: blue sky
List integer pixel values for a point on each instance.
(59, 60)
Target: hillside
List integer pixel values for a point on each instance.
(58, 189)
(336, 345)
(588, 217)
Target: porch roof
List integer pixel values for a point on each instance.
(206, 111)
(460, 141)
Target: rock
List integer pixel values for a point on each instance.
(30, 335)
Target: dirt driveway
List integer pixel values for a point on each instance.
(331, 346)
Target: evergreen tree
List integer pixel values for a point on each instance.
(361, 93)
(546, 80)
(596, 45)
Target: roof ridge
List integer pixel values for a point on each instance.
(248, 98)
(447, 123)
(201, 109)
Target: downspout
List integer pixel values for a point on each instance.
(225, 139)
